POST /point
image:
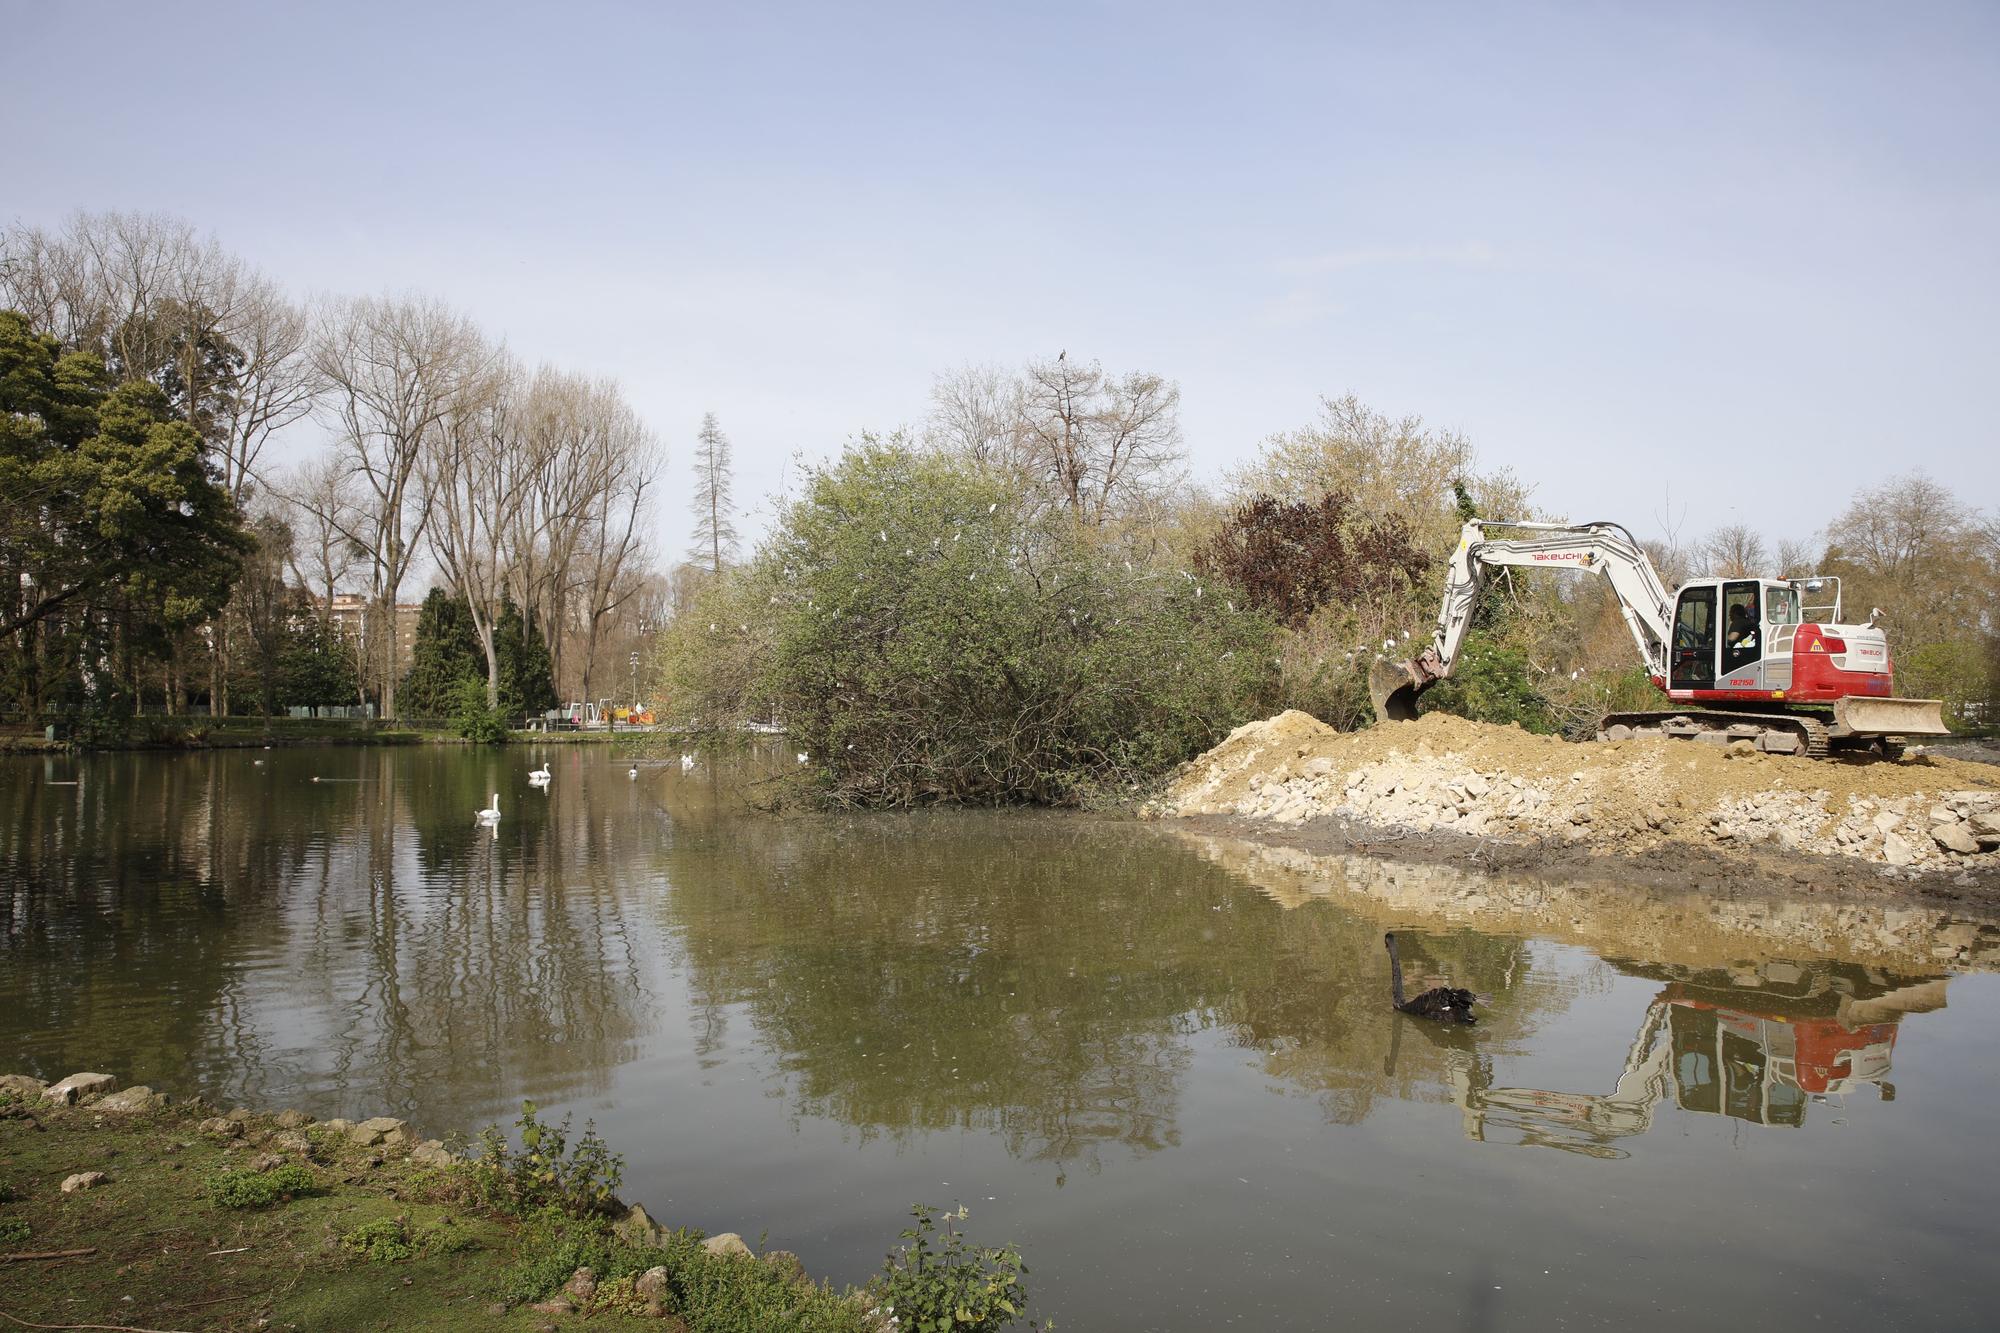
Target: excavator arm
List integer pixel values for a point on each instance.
(1484, 547)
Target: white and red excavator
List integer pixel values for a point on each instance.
(1769, 661)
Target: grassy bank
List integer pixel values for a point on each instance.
(126, 1212)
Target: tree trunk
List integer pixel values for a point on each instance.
(386, 653)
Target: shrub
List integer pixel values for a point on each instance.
(1489, 683)
(930, 635)
(13, 1229)
(950, 1287)
(471, 717)
(260, 1189)
(385, 1240)
(547, 1174)
(392, 1239)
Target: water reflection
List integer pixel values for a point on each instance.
(329, 924)
(804, 1023)
(1757, 1040)
(1758, 1053)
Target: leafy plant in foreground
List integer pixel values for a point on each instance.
(548, 1173)
(939, 1284)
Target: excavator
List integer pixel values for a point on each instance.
(1768, 661)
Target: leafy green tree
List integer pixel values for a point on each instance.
(931, 635)
(115, 525)
(472, 717)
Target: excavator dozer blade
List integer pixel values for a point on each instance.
(1859, 715)
(1393, 687)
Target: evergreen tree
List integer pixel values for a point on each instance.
(316, 668)
(527, 679)
(116, 539)
(446, 653)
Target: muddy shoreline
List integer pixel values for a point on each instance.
(1668, 868)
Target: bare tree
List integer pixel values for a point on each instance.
(1736, 551)
(1797, 558)
(275, 384)
(322, 556)
(1092, 438)
(976, 412)
(715, 526)
(145, 293)
(395, 370)
(617, 514)
(1098, 445)
(476, 469)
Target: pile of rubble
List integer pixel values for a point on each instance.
(1444, 774)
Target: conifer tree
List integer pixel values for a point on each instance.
(714, 526)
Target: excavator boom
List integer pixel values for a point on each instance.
(1483, 547)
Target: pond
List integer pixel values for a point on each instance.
(1164, 1064)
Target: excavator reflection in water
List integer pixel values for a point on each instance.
(1757, 1047)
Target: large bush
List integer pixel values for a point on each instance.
(926, 637)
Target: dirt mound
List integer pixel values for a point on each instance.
(1443, 772)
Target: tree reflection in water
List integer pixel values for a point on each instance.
(250, 932)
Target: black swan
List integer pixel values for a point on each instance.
(1445, 1004)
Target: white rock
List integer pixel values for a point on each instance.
(81, 1087)
(1955, 837)
(1896, 851)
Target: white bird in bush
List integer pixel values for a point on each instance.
(802, 756)
(687, 763)
(491, 815)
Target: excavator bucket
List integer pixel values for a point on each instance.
(1860, 715)
(1393, 687)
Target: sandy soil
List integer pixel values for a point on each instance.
(1443, 787)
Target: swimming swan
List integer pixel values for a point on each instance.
(1445, 1004)
(491, 815)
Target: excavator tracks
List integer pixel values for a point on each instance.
(1773, 733)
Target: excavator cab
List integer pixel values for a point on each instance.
(1734, 635)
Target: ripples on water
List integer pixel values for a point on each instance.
(1165, 1065)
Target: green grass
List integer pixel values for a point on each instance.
(184, 1237)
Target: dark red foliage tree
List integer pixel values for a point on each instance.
(1294, 558)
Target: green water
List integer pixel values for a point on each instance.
(1166, 1066)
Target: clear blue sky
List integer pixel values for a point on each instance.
(1753, 247)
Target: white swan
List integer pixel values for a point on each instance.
(492, 814)
(687, 763)
(541, 775)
